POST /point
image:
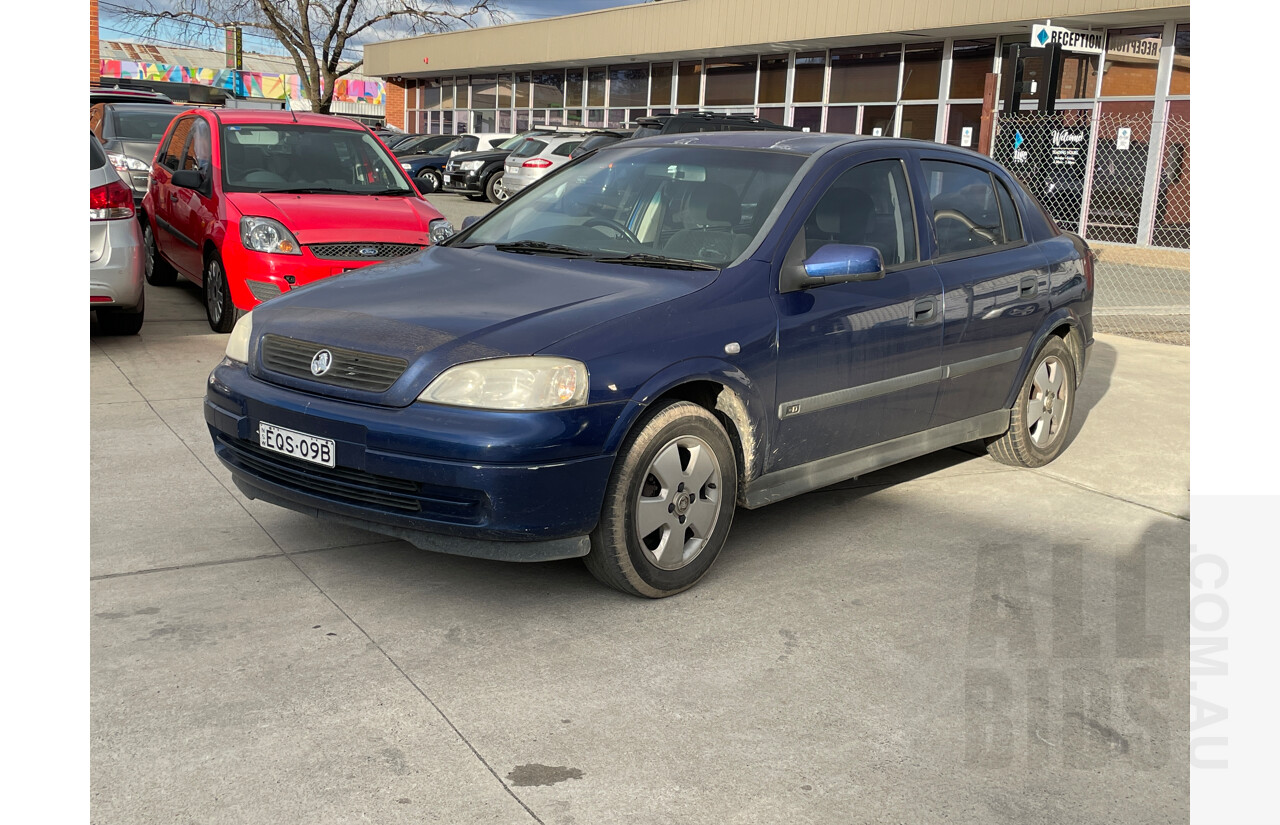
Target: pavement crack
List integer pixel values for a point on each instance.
(1063, 480)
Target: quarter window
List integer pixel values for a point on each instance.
(968, 214)
(869, 205)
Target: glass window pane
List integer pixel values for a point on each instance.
(922, 71)
(776, 114)
(660, 84)
(807, 117)
(731, 81)
(463, 93)
(960, 117)
(971, 61)
(629, 85)
(573, 88)
(773, 78)
(1132, 58)
(523, 82)
(1079, 76)
(548, 89)
(919, 122)
(811, 68)
(966, 214)
(595, 117)
(448, 93)
(878, 120)
(430, 94)
(688, 87)
(869, 205)
(865, 74)
(1180, 83)
(505, 81)
(843, 119)
(595, 85)
(1008, 215)
(617, 118)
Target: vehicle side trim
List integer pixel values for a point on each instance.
(793, 481)
(173, 230)
(862, 392)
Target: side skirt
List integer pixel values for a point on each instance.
(793, 481)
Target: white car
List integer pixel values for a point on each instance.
(533, 159)
(115, 249)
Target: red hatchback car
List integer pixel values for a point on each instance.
(250, 204)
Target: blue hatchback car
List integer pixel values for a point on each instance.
(612, 361)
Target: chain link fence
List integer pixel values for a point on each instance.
(1123, 181)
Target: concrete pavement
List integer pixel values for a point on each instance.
(950, 640)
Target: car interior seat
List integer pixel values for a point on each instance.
(710, 215)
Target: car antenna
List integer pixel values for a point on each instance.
(294, 115)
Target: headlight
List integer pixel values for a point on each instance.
(527, 383)
(238, 343)
(471, 165)
(408, 167)
(124, 163)
(440, 231)
(267, 235)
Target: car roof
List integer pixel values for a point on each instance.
(269, 116)
(147, 107)
(804, 143)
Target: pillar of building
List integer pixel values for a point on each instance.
(395, 102)
(94, 76)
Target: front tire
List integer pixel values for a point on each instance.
(159, 272)
(1041, 417)
(218, 307)
(430, 181)
(668, 505)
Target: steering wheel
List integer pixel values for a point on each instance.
(622, 231)
(951, 214)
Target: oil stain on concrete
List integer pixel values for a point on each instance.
(524, 776)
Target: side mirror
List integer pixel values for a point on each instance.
(834, 263)
(469, 220)
(188, 178)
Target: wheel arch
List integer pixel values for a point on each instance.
(1061, 323)
(721, 389)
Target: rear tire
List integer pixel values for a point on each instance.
(219, 309)
(159, 272)
(668, 505)
(493, 189)
(114, 321)
(1041, 417)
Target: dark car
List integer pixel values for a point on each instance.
(130, 133)
(479, 174)
(608, 364)
(99, 94)
(428, 169)
(683, 122)
(601, 137)
(417, 144)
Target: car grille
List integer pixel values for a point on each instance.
(349, 368)
(394, 495)
(357, 251)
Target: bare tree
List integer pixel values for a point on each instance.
(316, 33)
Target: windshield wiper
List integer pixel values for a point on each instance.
(534, 247)
(382, 192)
(645, 259)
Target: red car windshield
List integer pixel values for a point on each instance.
(289, 157)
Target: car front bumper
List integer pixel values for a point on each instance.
(272, 275)
(413, 472)
(115, 276)
(458, 181)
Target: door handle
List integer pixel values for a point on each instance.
(1028, 286)
(923, 311)
(173, 196)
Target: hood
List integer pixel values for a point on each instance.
(446, 306)
(486, 157)
(323, 218)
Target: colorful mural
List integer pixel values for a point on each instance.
(242, 83)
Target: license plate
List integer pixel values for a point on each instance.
(298, 445)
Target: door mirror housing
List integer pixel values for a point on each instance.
(834, 263)
(188, 178)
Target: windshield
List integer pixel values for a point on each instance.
(696, 204)
(289, 157)
(145, 125)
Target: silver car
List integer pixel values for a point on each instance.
(533, 159)
(115, 249)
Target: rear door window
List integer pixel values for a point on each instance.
(971, 210)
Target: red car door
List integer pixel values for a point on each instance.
(193, 210)
(162, 198)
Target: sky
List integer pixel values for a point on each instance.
(112, 27)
